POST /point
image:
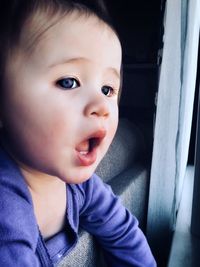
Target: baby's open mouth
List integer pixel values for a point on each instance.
(87, 149)
(88, 145)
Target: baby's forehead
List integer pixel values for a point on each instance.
(46, 40)
(35, 29)
(40, 27)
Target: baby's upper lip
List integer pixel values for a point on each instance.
(101, 133)
(93, 139)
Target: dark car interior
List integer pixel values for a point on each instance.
(139, 24)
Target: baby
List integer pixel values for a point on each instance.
(60, 67)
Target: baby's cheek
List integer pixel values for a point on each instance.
(114, 121)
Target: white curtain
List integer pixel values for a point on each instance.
(173, 117)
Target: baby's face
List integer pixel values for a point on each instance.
(60, 109)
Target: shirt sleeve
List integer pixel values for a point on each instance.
(114, 227)
(18, 234)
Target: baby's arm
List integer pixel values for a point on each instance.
(115, 228)
(18, 235)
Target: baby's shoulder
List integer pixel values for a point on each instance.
(13, 188)
(17, 214)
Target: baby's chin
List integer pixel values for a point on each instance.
(81, 178)
(72, 173)
(78, 176)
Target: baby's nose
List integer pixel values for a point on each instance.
(97, 107)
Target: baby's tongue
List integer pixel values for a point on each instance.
(84, 146)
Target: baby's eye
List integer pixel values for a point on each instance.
(108, 90)
(68, 83)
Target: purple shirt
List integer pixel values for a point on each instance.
(90, 205)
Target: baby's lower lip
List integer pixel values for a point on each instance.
(87, 159)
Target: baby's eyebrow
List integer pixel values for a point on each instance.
(67, 60)
(115, 72)
(79, 59)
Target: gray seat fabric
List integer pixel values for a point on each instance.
(128, 176)
(85, 254)
(132, 187)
